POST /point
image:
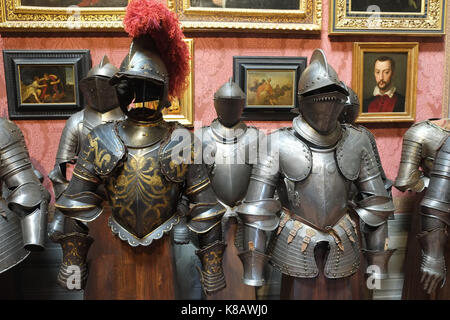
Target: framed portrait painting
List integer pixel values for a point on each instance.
(406, 17)
(256, 15)
(62, 15)
(270, 85)
(43, 84)
(385, 80)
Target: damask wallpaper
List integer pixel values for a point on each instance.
(213, 55)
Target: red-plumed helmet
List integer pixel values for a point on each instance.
(157, 64)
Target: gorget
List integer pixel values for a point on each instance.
(93, 118)
(305, 131)
(228, 135)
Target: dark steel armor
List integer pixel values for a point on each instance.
(435, 211)
(312, 166)
(146, 165)
(24, 230)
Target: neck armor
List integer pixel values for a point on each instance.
(142, 134)
(308, 133)
(100, 95)
(229, 102)
(142, 80)
(225, 134)
(321, 95)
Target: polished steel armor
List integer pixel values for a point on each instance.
(420, 144)
(26, 197)
(312, 167)
(435, 211)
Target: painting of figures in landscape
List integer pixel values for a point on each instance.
(47, 84)
(270, 88)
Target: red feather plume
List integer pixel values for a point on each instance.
(149, 17)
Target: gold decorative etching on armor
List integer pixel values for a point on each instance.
(140, 195)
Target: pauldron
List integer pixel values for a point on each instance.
(420, 144)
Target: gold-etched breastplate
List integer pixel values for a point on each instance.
(141, 197)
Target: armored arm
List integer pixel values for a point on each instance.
(435, 212)
(27, 197)
(374, 206)
(204, 219)
(409, 176)
(68, 149)
(387, 183)
(82, 204)
(258, 211)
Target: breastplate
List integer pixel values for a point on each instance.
(320, 199)
(230, 174)
(142, 199)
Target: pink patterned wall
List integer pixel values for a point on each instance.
(213, 54)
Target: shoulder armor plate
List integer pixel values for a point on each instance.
(178, 142)
(295, 155)
(103, 148)
(349, 151)
(9, 133)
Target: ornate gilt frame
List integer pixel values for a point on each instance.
(16, 17)
(307, 18)
(186, 117)
(412, 49)
(430, 21)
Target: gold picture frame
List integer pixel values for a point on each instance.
(385, 80)
(16, 16)
(418, 17)
(307, 18)
(182, 109)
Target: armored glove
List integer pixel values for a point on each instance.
(432, 266)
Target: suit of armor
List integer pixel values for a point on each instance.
(26, 198)
(418, 166)
(435, 212)
(146, 165)
(312, 166)
(102, 107)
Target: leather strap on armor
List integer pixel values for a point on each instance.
(211, 275)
